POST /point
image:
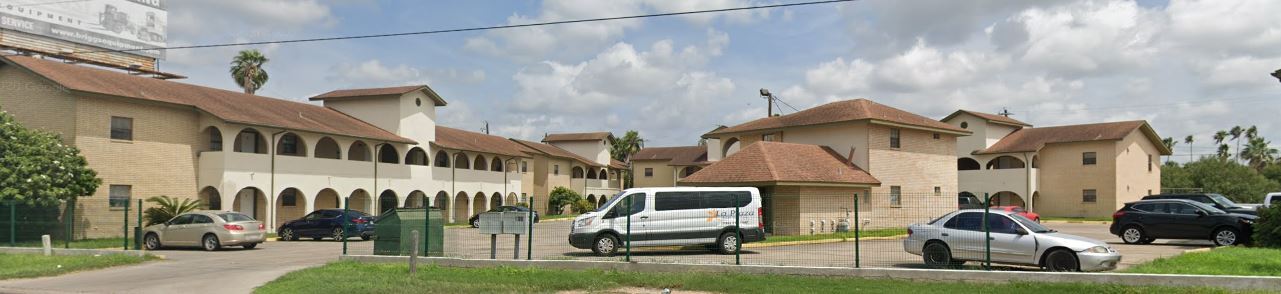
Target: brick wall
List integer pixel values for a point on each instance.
(920, 164)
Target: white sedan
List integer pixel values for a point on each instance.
(953, 239)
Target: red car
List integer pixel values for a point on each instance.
(1019, 210)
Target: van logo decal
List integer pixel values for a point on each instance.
(711, 215)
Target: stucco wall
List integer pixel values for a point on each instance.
(663, 174)
(846, 139)
(593, 150)
(1135, 153)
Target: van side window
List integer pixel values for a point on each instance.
(664, 201)
(726, 199)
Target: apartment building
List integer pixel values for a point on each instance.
(1086, 170)
(665, 166)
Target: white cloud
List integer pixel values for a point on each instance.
(1227, 26)
(373, 73)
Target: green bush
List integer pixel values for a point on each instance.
(1267, 229)
(1215, 175)
(560, 197)
(581, 206)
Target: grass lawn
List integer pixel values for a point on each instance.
(846, 236)
(15, 266)
(352, 277)
(79, 244)
(1239, 261)
(1071, 219)
(555, 216)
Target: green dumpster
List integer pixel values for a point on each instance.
(392, 232)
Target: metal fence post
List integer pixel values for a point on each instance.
(70, 219)
(137, 228)
(987, 234)
(856, 233)
(738, 233)
(13, 221)
(529, 253)
(426, 227)
(125, 226)
(629, 229)
(346, 217)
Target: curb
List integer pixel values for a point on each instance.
(823, 241)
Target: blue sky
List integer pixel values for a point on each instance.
(1189, 67)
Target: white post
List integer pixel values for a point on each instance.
(48, 245)
(413, 255)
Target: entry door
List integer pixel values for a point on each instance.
(248, 202)
(1007, 244)
(638, 219)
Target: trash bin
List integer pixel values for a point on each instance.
(392, 232)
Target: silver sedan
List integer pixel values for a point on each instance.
(207, 229)
(953, 239)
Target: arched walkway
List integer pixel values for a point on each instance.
(387, 201)
(601, 202)
(213, 138)
(591, 173)
(461, 162)
(592, 198)
(459, 214)
(442, 159)
(252, 202)
(290, 205)
(480, 163)
(360, 201)
(441, 202)
(1005, 162)
(689, 170)
(388, 154)
(291, 145)
(478, 203)
(210, 199)
(495, 200)
(603, 174)
(966, 163)
(1007, 198)
(328, 148)
(416, 156)
(576, 173)
(416, 199)
(511, 199)
(496, 164)
(359, 151)
(250, 141)
(327, 199)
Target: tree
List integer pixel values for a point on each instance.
(37, 169)
(1277, 74)
(1169, 143)
(166, 208)
(1219, 175)
(1188, 140)
(560, 197)
(1220, 136)
(1225, 151)
(1258, 153)
(1252, 132)
(1236, 133)
(623, 149)
(247, 71)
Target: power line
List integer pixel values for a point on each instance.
(474, 28)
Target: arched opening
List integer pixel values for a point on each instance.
(601, 202)
(328, 148)
(731, 145)
(480, 162)
(416, 199)
(441, 202)
(496, 165)
(442, 159)
(252, 202)
(577, 173)
(1035, 165)
(689, 170)
(250, 141)
(388, 154)
(290, 205)
(359, 151)
(214, 139)
(1036, 201)
(360, 201)
(966, 163)
(591, 173)
(416, 156)
(495, 200)
(603, 175)
(210, 199)
(459, 214)
(478, 203)
(387, 201)
(1005, 162)
(327, 199)
(592, 198)
(511, 199)
(291, 145)
(1007, 198)
(461, 162)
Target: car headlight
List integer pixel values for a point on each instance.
(583, 223)
(1098, 249)
(1247, 221)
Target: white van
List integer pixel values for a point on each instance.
(671, 216)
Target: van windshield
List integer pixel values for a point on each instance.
(611, 202)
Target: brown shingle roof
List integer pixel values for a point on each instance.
(617, 164)
(593, 136)
(550, 150)
(451, 138)
(678, 156)
(841, 111)
(1033, 139)
(230, 106)
(776, 162)
(989, 117)
(370, 92)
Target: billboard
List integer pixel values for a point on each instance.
(108, 24)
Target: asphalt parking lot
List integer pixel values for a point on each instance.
(239, 271)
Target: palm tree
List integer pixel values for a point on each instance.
(1225, 151)
(167, 207)
(1258, 153)
(1277, 74)
(1236, 133)
(1188, 140)
(622, 150)
(247, 71)
(1169, 143)
(1251, 133)
(1220, 136)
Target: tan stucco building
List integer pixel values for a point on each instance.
(1087, 170)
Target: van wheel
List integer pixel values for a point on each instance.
(727, 243)
(1226, 237)
(1133, 235)
(605, 245)
(1062, 260)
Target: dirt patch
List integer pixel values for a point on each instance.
(633, 290)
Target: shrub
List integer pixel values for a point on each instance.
(1215, 175)
(560, 197)
(581, 206)
(166, 208)
(1267, 229)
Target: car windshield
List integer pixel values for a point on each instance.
(1223, 200)
(1031, 225)
(1207, 208)
(611, 201)
(232, 217)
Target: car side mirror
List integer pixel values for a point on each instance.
(1202, 213)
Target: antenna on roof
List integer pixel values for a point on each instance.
(486, 129)
(1005, 112)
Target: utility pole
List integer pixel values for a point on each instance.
(770, 102)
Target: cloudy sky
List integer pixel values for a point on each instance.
(1188, 67)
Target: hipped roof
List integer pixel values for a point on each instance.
(842, 111)
(777, 163)
(1033, 139)
(451, 138)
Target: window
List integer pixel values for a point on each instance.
(721, 199)
(200, 219)
(1001, 224)
(1145, 207)
(215, 140)
(1089, 158)
(182, 219)
(119, 195)
(1179, 208)
(1089, 196)
(524, 166)
(418, 101)
(1149, 164)
(965, 125)
(556, 169)
(289, 198)
(894, 139)
(289, 145)
(664, 201)
(965, 163)
(896, 195)
(649, 172)
(936, 136)
(769, 137)
(969, 221)
(637, 201)
(938, 191)
(121, 128)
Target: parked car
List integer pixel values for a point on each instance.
(673, 217)
(1145, 221)
(207, 229)
(328, 223)
(958, 237)
(475, 219)
(1020, 211)
(968, 201)
(1211, 199)
(1271, 199)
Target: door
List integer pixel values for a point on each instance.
(174, 231)
(1007, 244)
(963, 233)
(200, 224)
(619, 222)
(248, 202)
(1184, 222)
(308, 225)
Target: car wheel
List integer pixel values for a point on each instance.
(152, 241)
(605, 245)
(288, 235)
(1062, 261)
(475, 223)
(727, 243)
(210, 242)
(1133, 235)
(250, 245)
(937, 255)
(338, 234)
(1226, 237)
(366, 237)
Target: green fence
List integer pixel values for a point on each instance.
(23, 224)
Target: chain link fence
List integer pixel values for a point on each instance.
(23, 224)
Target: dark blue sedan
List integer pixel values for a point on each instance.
(327, 223)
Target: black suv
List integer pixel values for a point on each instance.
(1145, 221)
(1211, 199)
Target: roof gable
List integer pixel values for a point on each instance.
(566, 137)
(842, 111)
(1001, 119)
(553, 151)
(680, 156)
(346, 94)
(1033, 139)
